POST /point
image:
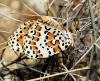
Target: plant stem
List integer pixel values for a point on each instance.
(95, 36)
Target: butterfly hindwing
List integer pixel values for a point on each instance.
(42, 39)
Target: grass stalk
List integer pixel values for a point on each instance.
(62, 73)
(95, 37)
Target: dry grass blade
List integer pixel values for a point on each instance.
(62, 73)
(3, 43)
(10, 17)
(5, 32)
(95, 37)
(85, 54)
(4, 5)
(97, 45)
(29, 8)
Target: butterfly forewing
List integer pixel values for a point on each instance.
(16, 40)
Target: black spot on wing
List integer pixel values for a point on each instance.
(24, 27)
(45, 32)
(16, 34)
(28, 52)
(66, 46)
(59, 37)
(26, 46)
(31, 31)
(42, 46)
(17, 49)
(47, 28)
(44, 40)
(62, 44)
(17, 44)
(12, 42)
(58, 31)
(68, 42)
(30, 25)
(47, 48)
(20, 31)
(33, 52)
(54, 32)
(36, 56)
(31, 56)
(46, 37)
(25, 23)
(30, 47)
(29, 42)
(49, 52)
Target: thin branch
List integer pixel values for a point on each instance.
(51, 3)
(4, 5)
(29, 8)
(11, 17)
(85, 54)
(62, 73)
(95, 37)
(5, 32)
(3, 43)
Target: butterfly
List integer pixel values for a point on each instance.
(40, 38)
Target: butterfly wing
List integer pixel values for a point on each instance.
(37, 40)
(42, 41)
(16, 40)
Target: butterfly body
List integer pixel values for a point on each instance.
(40, 40)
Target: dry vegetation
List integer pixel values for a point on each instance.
(83, 21)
